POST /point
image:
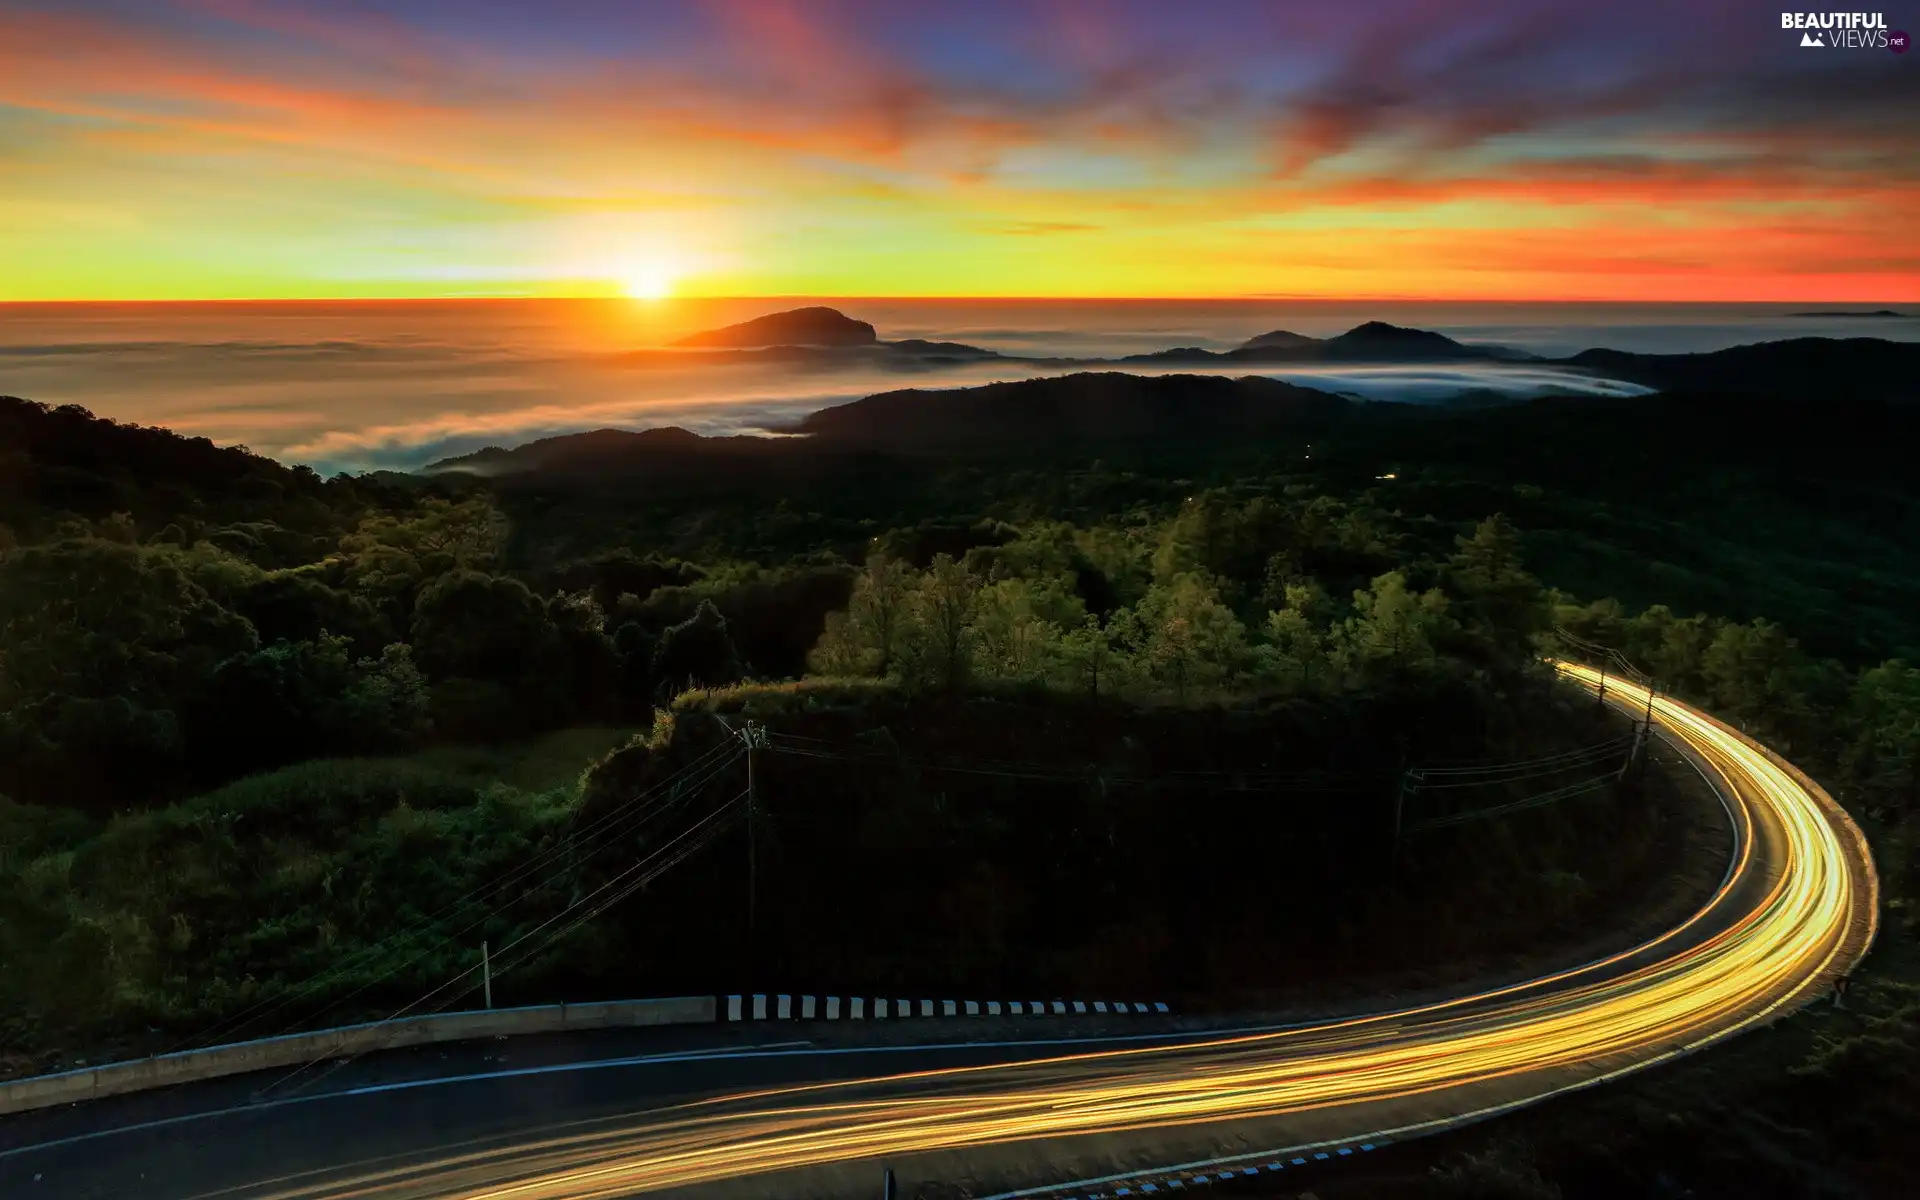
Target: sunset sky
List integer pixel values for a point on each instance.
(1525, 150)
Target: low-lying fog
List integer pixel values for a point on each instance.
(354, 387)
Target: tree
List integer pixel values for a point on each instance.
(392, 554)
(1297, 638)
(1393, 629)
(480, 626)
(1044, 549)
(1672, 649)
(592, 667)
(940, 648)
(97, 753)
(1200, 539)
(274, 705)
(1015, 638)
(633, 646)
(839, 652)
(1089, 659)
(1172, 655)
(439, 535)
(1281, 572)
(101, 641)
(388, 702)
(878, 608)
(1883, 755)
(620, 572)
(297, 700)
(91, 617)
(1504, 605)
(298, 605)
(1604, 621)
(1114, 569)
(1749, 674)
(1188, 637)
(697, 652)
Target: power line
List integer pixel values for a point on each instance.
(714, 824)
(1593, 649)
(1564, 792)
(1523, 771)
(710, 829)
(1457, 767)
(1051, 772)
(608, 828)
(1470, 774)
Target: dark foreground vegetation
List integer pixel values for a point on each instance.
(1096, 711)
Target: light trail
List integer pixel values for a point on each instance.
(1797, 906)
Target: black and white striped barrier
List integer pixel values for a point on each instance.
(1160, 1183)
(763, 1007)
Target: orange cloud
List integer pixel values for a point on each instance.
(1163, 144)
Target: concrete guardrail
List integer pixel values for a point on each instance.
(214, 1062)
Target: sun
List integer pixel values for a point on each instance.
(647, 281)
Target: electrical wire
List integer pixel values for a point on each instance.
(724, 810)
(718, 823)
(1041, 771)
(612, 826)
(1585, 757)
(1594, 649)
(1499, 810)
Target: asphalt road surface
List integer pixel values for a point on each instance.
(772, 1110)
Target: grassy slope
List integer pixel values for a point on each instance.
(552, 760)
(181, 915)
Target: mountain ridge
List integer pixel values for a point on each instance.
(1095, 407)
(814, 325)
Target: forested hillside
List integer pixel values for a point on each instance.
(256, 725)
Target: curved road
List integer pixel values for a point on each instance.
(805, 1118)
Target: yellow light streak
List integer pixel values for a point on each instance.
(1800, 895)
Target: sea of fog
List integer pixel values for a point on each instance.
(362, 385)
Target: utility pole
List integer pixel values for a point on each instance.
(1601, 699)
(889, 1190)
(1644, 747)
(753, 863)
(754, 736)
(486, 973)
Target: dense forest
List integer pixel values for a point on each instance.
(260, 730)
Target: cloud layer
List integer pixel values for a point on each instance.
(355, 386)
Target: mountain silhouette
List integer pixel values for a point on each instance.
(1090, 408)
(1279, 339)
(1870, 369)
(815, 326)
(1375, 341)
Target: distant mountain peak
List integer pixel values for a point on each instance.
(1382, 331)
(1279, 338)
(549, 450)
(816, 325)
(1377, 338)
(921, 346)
(1371, 341)
(1090, 407)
